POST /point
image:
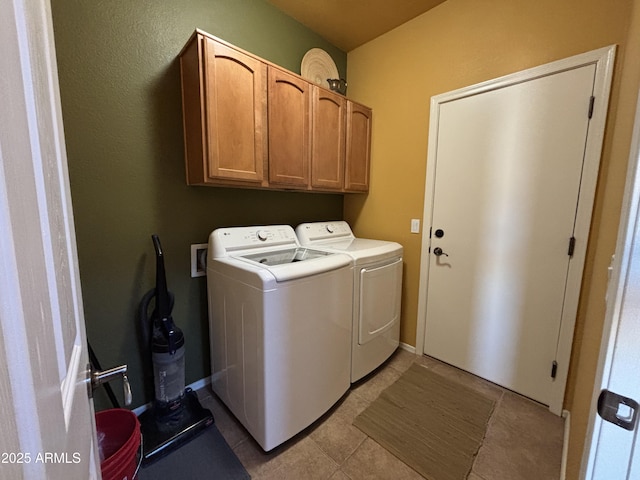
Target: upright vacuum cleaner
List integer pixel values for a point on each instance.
(176, 415)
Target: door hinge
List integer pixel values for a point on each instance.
(430, 228)
(592, 102)
(572, 246)
(554, 369)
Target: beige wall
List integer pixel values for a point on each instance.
(460, 43)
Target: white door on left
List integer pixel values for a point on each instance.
(47, 422)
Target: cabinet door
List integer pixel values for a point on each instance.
(327, 140)
(289, 132)
(358, 149)
(236, 114)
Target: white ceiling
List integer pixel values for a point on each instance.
(347, 24)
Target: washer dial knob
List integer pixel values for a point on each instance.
(262, 235)
(330, 228)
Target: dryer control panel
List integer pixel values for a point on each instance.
(311, 232)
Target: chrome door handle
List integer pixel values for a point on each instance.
(97, 378)
(438, 251)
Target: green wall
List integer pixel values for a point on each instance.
(120, 89)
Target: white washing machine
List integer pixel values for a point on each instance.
(377, 290)
(280, 329)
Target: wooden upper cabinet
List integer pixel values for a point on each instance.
(289, 99)
(358, 148)
(250, 123)
(327, 139)
(236, 113)
(225, 113)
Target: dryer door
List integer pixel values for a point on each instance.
(380, 288)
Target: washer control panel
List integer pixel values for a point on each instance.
(232, 239)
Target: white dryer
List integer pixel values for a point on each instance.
(377, 290)
(280, 329)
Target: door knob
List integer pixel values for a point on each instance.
(438, 251)
(97, 378)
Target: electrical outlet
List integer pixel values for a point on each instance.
(199, 259)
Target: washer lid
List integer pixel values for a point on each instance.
(282, 257)
(289, 264)
(270, 252)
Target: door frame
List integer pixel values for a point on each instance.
(603, 59)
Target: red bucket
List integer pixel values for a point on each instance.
(118, 442)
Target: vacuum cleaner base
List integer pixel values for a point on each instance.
(160, 438)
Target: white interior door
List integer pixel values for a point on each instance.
(508, 170)
(47, 423)
(612, 451)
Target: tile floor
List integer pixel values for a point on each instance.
(523, 440)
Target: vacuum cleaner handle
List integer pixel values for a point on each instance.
(164, 303)
(162, 295)
(156, 244)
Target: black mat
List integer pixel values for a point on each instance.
(205, 457)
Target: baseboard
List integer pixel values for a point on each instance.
(566, 414)
(203, 382)
(141, 409)
(197, 385)
(407, 347)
